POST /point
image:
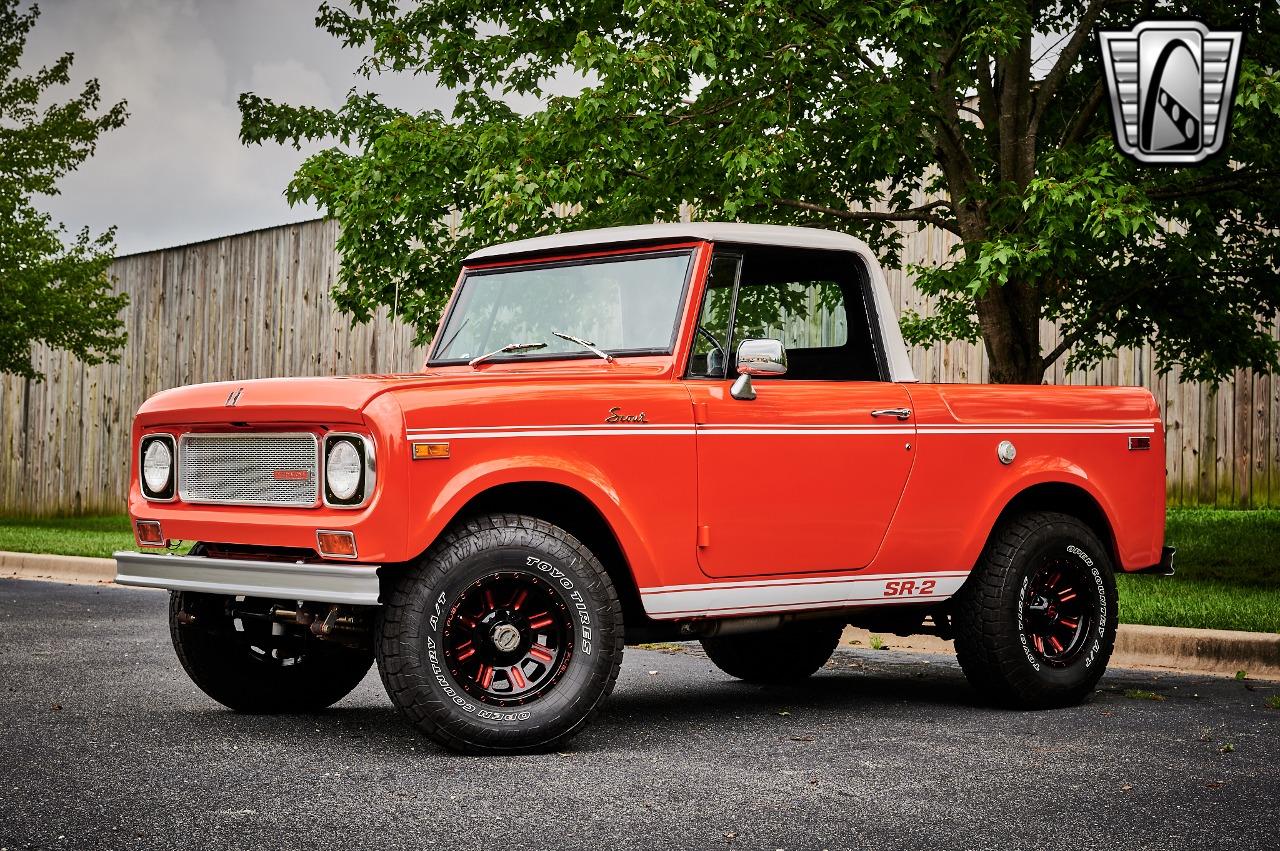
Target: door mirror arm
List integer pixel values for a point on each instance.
(743, 389)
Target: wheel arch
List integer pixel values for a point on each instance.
(1063, 497)
(561, 505)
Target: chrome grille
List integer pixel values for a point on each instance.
(249, 469)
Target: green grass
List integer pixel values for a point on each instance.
(1139, 694)
(1228, 565)
(69, 536)
(1228, 573)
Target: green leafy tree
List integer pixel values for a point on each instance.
(54, 287)
(985, 119)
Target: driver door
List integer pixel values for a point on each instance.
(806, 476)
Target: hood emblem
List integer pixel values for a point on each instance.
(616, 416)
(233, 397)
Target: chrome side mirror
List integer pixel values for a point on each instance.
(762, 358)
(757, 357)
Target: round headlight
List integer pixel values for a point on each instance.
(342, 469)
(157, 465)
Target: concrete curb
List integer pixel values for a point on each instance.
(53, 568)
(1212, 651)
(1206, 651)
(1201, 651)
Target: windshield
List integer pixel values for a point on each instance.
(621, 305)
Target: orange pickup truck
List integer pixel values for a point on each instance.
(670, 432)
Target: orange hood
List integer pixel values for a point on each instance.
(280, 400)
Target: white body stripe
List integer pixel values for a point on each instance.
(746, 597)
(634, 430)
(722, 599)
(551, 432)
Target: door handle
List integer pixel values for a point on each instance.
(900, 413)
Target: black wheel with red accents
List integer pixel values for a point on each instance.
(1059, 610)
(504, 638)
(1036, 621)
(508, 638)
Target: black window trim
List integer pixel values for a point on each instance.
(869, 312)
(688, 253)
(733, 315)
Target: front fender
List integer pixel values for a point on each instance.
(444, 501)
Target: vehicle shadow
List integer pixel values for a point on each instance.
(826, 690)
(644, 708)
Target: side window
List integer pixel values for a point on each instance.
(711, 342)
(814, 302)
(802, 314)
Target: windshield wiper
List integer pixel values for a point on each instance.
(586, 344)
(509, 348)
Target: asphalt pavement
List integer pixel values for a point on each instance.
(104, 743)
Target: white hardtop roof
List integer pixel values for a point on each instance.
(733, 232)
(711, 231)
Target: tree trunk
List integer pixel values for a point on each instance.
(1009, 317)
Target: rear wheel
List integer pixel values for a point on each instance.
(506, 637)
(1036, 622)
(788, 654)
(250, 665)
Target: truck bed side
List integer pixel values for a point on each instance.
(1069, 441)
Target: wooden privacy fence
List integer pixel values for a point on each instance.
(258, 304)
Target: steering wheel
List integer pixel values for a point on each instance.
(724, 357)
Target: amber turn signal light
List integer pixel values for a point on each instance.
(423, 451)
(149, 534)
(336, 544)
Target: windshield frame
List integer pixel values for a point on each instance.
(689, 251)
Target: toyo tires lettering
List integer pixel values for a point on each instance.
(580, 604)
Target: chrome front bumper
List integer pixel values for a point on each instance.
(355, 585)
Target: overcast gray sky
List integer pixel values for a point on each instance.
(177, 172)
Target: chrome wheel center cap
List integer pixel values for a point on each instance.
(505, 637)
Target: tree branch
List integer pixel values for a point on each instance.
(867, 62)
(1081, 122)
(1059, 350)
(1049, 85)
(914, 214)
(1095, 315)
(1017, 135)
(1237, 180)
(987, 106)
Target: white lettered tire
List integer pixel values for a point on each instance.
(1036, 622)
(504, 638)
